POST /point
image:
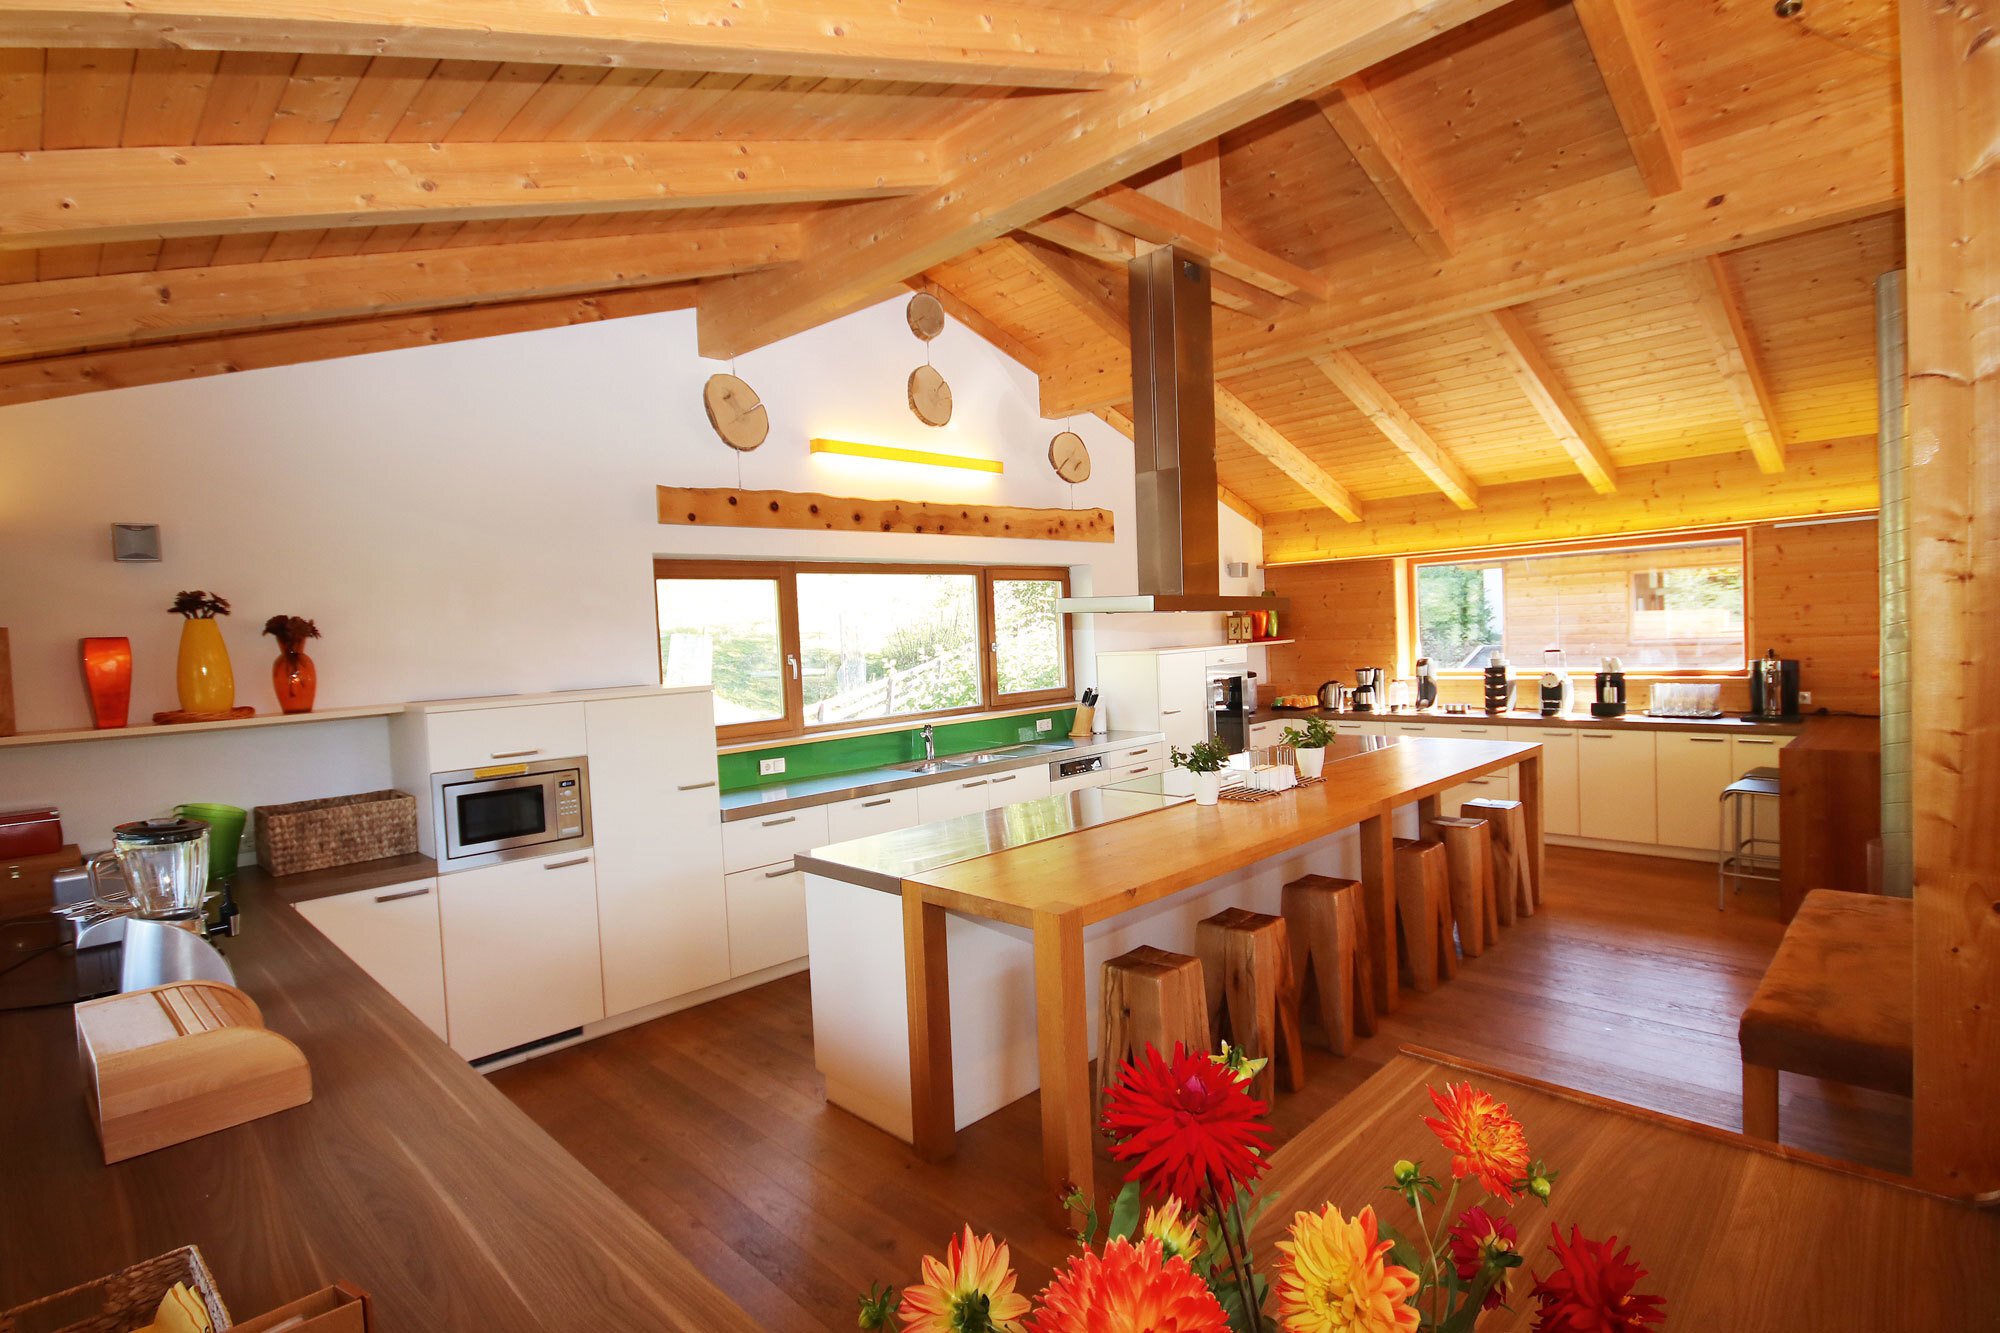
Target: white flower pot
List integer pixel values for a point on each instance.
(1309, 761)
(1207, 788)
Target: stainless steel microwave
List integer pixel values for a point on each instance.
(510, 811)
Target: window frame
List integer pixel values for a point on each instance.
(791, 656)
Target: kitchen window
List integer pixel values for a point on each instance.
(794, 648)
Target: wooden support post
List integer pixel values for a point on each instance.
(1062, 1030)
(933, 1109)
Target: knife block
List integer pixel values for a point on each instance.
(1079, 729)
(172, 1063)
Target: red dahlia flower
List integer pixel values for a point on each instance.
(1128, 1289)
(1591, 1289)
(1475, 1235)
(1187, 1126)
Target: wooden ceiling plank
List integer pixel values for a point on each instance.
(314, 98)
(21, 82)
(41, 318)
(244, 96)
(944, 41)
(1736, 357)
(1355, 115)
(169, 89)
(1551, 398)
(83, 98)
(1154, 222)
(68, 198)
(1088, 287)
(1631, 71)
(1398, 426)
(1288, 458)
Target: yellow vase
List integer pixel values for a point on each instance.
(202, 675)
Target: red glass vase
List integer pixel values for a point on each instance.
(296, 681)
(107, 679)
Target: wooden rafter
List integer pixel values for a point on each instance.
(1108, 245)
(1551, 397)
(1389, 164)
(1151, 221)
(119, 194)
(1089, 288)
(1632, 77)
(1195, 186)
(1116, 418)
(1736, 356)
(941, 41)
(1398, 426)
(965, 312)
(1282, 454)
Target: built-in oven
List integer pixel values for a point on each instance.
(1232, 701)
(510, 811)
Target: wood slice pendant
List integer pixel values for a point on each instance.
(926, 315)
(1069, 457)
(733, 409)
(930, 396)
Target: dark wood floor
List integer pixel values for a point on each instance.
(712, 1125)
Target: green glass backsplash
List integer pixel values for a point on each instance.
(812, 759)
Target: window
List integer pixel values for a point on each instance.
(797, 647)
(1663, 607)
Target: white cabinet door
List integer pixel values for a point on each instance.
(865, 816)
(767, 918)
(946, 800)
(1266, 734)
(479, 737)
(1693, 770)
(1748, 752)
(1617, 787)
(520, 952)
(767, 840)
(393, 934)
(1352, 728)
(1183, 698)
(1491, 787)
(1016, 785)
(658, 844)
(1559, 786)
(1063, 786)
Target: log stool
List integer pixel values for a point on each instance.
(1516, 888)
(1253, 999)
(1468, 855)
(1151, 997)
(1327, 923)
(1423, 909)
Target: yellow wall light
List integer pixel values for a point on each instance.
(856, 449)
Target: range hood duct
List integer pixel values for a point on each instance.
(1173, 444)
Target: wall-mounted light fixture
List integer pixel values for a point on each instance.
(855, 449)
(135, 543)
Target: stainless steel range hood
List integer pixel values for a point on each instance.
(1173, 445)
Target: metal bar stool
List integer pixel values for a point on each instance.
(1742, 857)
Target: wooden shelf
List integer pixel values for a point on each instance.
(261, 720)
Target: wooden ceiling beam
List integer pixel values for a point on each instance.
(1091, 289)
(1108, 245)
(1195, 186)
(1736, 357)
(942, 41)
(1156, 223)
(1351, 109)
(1398, 426)
(88, 196)
(1281, 453)
(965, 312)
(1551, 398)
(68, 314)
(1631, 71)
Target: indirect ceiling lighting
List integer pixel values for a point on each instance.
(854, 449)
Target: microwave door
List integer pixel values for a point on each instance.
(496, 815)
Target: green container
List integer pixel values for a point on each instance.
(225, 835)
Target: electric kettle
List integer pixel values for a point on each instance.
(1333, 697)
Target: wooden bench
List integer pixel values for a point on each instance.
(1835, 1003)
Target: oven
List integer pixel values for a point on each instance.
(510, 811)
(1232, 701)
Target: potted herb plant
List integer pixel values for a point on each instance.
(1204, 760)
(1308, 744)
(202, 675)
(293, 675)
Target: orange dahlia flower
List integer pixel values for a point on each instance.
(970, 1291)
(1178, 1232)
(1128, 1289)
(1334, 1276)
(1484, 1141)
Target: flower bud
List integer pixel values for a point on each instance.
(1406, 1172)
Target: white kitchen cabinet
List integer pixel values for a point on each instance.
(959, 796)
(866, 816)
(1748, 752)
(767, 918)
(1617, 786)
(1490, 787)
(657, 828)
(529, 733)
(1157, 691)
(1693, 769)
(1351, 727)
(1018, 784)
(1263, 735)
(520, 952)
(393, 934)
(1063, 786)
(1559, 785)
(764, 840)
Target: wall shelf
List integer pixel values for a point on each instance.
(185, 728)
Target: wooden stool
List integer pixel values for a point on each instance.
(1328, 926)
(1423, 906)
(1468, 855)
(1253, 999)
(1516, 888)
(1151, 997)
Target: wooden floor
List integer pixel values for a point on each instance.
(711, 1122)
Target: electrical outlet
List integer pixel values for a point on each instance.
(770, 767)
(1805, 698)
(1045, 724)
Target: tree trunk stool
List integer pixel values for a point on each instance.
(1423, 909)
(1468, 857)
(1151, 997)
(1835, 1003)
(1253, 999)
(1516, 888)
(1328, 927)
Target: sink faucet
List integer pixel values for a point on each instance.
(930, 741)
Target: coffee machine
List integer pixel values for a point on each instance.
(1499, 683)
(1607, 698)
(1427, 685)
(1558, 691)
(1367, 690)
(1774, 686)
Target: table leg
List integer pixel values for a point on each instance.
(1760, 1102)
(1378, 890)
(1063, 1031)
(926, 974)
(1428, 809)
(1530, 777)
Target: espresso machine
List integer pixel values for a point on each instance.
(1427, 685)
(1367, 690)
(1607, 697)
(1774, 687)
(1499, 686)
(1558, 691)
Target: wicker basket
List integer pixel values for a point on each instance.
(335, 831)
(120, 1302)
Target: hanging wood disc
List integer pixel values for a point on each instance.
(930, 396)
(926, 315)
(1069, 457)
(733, 409)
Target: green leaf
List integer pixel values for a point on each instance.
(1126, 1213)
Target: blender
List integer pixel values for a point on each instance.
(164, 864)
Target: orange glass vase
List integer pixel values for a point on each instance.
(107, 679)
(296, 681)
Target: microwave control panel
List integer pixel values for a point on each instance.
(569, 809)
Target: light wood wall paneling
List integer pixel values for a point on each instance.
(1815, 595)
(1343, 615)
(724, 507)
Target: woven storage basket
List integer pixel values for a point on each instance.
(120, 1302)
(335, 831)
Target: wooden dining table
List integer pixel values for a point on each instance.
(1735, 1233)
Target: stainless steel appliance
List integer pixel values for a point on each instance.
(1232, 698)
(1607, 697)
(1427, 684)
(1558, 691)
(1774, 686)
(511, 811)
(1367, 689)
(1076, 768)
(1333, 696)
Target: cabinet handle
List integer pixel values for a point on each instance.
(564, 865)
(773, 823)
(512, 754)
(696, 786)
(1142, 768)
(1597, 735)
(1709, 740)
(1472, 731)
(406, 893)
(778, 873)
(1138, 752)
(870, 805)
(979, 783)
(1170, 712)
(1009, 778)
(1752, 740)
